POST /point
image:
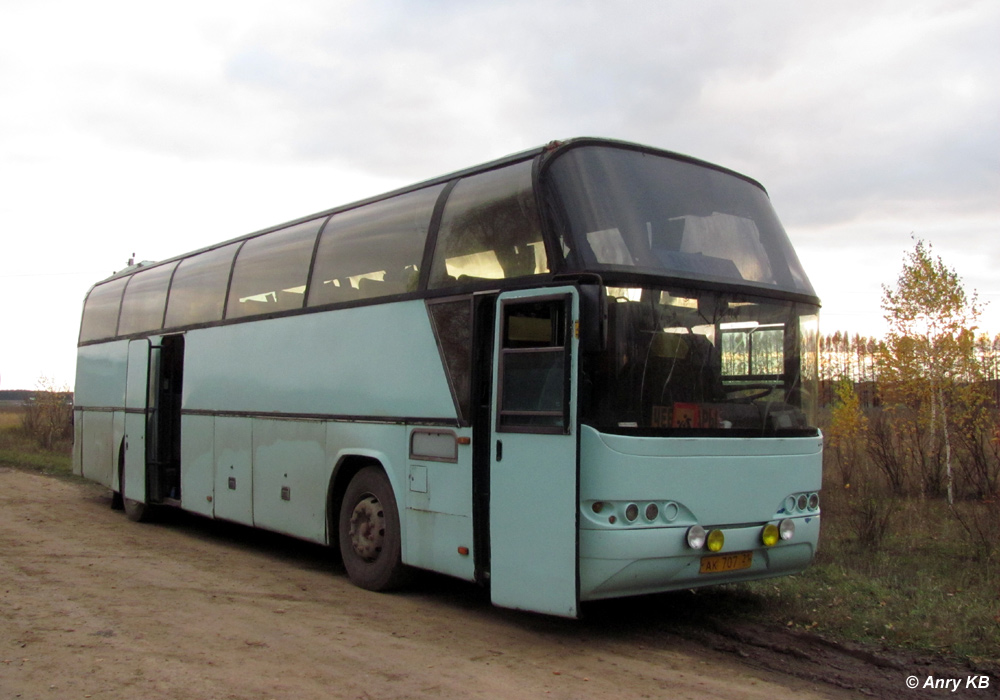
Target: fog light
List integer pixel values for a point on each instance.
(696, 537)
(631, 512)
(652, 511)
(813, 501)
(770, 535)
(715, 540)
(786, 529)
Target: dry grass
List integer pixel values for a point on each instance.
(925, 587)
(19, 449)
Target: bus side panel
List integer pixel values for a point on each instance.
(98, 454)
(290, 477)
(370, 361)
(100, 375)
(198, 464)
(100, 384)
(438, 514)
(233, 469)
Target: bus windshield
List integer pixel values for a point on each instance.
(632, 211)
(702, 363)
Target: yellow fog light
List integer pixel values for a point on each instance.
(715, 541)
(770, 535)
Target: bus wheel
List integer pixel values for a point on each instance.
(135, 511)
(369, 532)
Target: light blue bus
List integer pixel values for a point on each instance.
(579, 372)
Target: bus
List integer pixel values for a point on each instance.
(579, 372)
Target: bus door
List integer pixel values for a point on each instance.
(136, 409)
(533, 461)
(153, 385)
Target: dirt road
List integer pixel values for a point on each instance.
(94, 606)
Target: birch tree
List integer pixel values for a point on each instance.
(928, 358)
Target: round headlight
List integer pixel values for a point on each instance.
(786, 529)
(696, 537)
(770, 535)
(715, 540)
(803, 501)
(631, 512)
(813, 501)
(652, 511)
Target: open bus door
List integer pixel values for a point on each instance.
(533, 465)
(136, 410)
(153, 383)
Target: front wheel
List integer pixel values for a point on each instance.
(369, 532)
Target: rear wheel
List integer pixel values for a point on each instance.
(369, 532)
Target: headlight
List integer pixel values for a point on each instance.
(631, 512)
(696, 537)
(786, 529)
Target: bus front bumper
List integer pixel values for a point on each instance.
(622, 562)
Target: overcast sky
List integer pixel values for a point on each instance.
(131, 127)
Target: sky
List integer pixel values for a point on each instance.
(151, 129)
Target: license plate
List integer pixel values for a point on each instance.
(721, 563)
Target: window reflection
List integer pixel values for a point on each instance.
(490, 230)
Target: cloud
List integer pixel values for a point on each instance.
(154, 129)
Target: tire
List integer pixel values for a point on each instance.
(369, 532)
(136, 511)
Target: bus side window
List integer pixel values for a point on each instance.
(100, 311)
(374, 250)
(144, 300)
(271, 271)
(198, 290)
(489, 230)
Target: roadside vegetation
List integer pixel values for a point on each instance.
(909, 554)
(38, 433)
(910, 546)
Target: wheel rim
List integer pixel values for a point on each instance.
(368, 528)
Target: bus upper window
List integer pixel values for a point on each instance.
(100, 311)
(639, 212)
(490, 230)
(198, 291)
(373, 251)
(144, 300)
(271, 270)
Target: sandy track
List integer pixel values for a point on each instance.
(94, 606)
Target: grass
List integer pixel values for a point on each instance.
(18, 449)
(923, 589)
